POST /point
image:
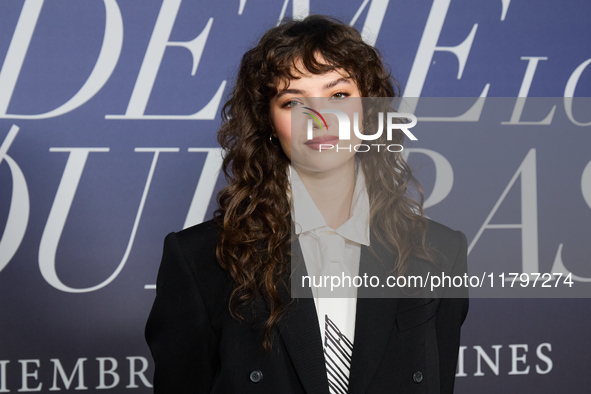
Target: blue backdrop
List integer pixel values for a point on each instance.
(108, 115)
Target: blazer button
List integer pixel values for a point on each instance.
(417, 377)
(256, 376)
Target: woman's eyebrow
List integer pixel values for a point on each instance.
(292, 91)
(300, 92)
(336, 82)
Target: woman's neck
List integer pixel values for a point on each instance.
(331, 191)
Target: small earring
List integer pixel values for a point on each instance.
(274, 141)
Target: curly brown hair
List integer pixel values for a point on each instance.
(254, 208)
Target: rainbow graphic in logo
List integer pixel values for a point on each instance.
(315, 118)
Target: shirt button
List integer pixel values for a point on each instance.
(417, 377)
(256, 376)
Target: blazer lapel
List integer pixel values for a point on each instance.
(300, 333)
(374, 321)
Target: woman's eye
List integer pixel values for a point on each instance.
(290, 104)
(340, 95)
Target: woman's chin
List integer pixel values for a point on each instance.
(324, 162)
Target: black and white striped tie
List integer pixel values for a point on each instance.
(338, 350)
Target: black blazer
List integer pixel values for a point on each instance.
(401, 345)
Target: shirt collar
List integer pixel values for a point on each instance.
(307, 217)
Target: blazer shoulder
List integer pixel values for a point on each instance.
(202, 234)
(439, 234)
(446, 241)
(197, 245)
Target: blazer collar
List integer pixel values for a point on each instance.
(300, 332)
(374, 321)
(375, 318)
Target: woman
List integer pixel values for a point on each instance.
(224, 320)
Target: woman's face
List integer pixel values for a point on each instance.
(292, 108)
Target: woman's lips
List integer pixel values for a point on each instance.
(315, 143)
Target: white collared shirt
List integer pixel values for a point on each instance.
(342, 245)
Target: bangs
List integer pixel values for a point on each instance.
(317, 50)
(315, 45)
(296, 65)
